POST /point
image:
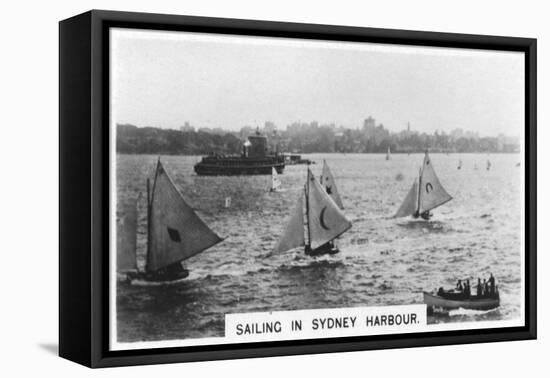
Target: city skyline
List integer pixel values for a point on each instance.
(229, 82)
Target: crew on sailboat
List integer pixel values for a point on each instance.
(426, 194)
(324, 222)
(174, 232)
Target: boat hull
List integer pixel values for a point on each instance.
(435, 301)
(326, 249)
(206, 169)
(158, 277)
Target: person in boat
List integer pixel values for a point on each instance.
(485, 288)
(459, 288)
(468, 289)
(491, 285)
(426, 215)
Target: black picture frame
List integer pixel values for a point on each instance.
(84, 193)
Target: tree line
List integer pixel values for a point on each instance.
(300, 137)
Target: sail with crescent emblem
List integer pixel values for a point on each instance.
(325, 219)
(293, 235)
(275, 181)
(327, 181)
(175, 231)
(432, 194)
(410, 204)
(127, 238)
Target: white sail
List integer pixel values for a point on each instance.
(325, 219)
(275, 181)
(126, 240)
(328, 182)
(410, 204)
(293, 234)
(388, 154)
(176, 231)
(432, 194)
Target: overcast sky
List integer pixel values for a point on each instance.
(164, 79)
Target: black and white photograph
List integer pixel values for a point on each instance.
(267, 188)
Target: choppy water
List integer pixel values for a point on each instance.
(382, 261)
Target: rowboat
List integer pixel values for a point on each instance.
(472, 303)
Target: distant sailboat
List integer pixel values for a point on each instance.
(488, 165)
(275, 181)
(328, 182)
(426, 194)
(174, 232)
(459, 165)
(324, 222)
(388, 153)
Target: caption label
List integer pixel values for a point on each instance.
(338, 322)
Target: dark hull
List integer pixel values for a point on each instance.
(326, 249)
(237, 169)
(472, 303)
(163, 275)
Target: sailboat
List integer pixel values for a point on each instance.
(327, 181)
(488, 165)
(426, 194)
(459, 165)
(324, 222)
(174, 233)
(388, 153)
(275, 181)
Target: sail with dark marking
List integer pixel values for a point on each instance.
(432, 193)
(325, 219)
(328, 182)
(175, 231)
(426, 193)
(127, 238)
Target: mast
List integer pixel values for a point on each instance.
(148, 250)
(306, 186)
(419, 189)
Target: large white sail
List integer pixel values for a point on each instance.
(432, 193)
(327, 181)
(126, 240)
(410, 204)
(275, 181)
(176, 231)
(326, 220)
(293, 234)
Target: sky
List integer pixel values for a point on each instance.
(164, 79)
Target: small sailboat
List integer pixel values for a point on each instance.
(426, 194)
(459, 165)
(174, 233)
(388, 153)
(275, 181)
(328, 182)
(488, 165)
(324, 222)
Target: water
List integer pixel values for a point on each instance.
(383, 261)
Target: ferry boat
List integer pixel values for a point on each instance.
(254, 160)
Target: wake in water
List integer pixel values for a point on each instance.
(471, 313)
